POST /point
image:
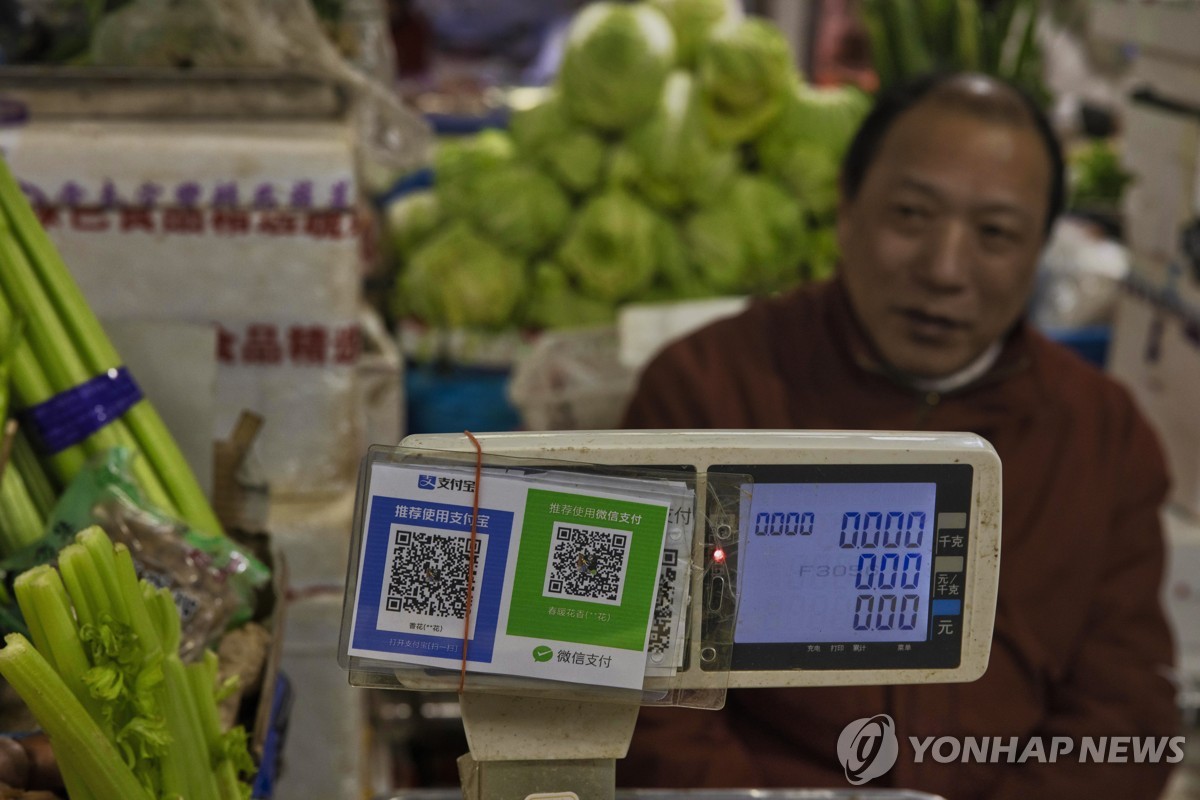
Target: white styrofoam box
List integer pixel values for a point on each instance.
(1155, 351)
(314, 536)
(249, 225)
(1181, 590)
(644, 328)
(1162, 150)
(380, 382)
(325, 753)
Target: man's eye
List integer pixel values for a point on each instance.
(998, 235)
(909, 213)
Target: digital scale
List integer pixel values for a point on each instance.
(812, 558)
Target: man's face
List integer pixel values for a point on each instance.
(941, 244)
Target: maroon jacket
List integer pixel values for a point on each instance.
(1081, 645)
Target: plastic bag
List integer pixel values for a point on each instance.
(213, 580)
(275, 34)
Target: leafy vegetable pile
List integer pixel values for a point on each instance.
(680, 155)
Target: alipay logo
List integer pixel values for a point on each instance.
(426, 481)
(868, 748)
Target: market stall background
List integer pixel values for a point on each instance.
(433, 215)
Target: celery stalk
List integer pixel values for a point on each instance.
(189, 746)
(43, 600)
(34, 387)
(9, 341)
(153, 438)
(56, 350)
(20, 522)
(79, 744)
(84, 587)
(131, 590)
(26, 462)
(202, 679)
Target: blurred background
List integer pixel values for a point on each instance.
(313, 225)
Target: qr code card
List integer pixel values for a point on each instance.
(666, 646)
(425, 586)
(587, 563)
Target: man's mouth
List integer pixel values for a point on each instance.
(931, 325)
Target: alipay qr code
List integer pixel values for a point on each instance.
(426, 583)
(587, 563)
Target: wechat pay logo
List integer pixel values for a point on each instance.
(868, 748)
(542, 653)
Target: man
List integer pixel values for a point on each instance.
(949, 191)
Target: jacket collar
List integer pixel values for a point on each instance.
(1010, 387)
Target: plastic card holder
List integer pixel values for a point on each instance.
(590, 581)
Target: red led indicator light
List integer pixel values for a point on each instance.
(719, 555)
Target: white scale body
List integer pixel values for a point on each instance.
(960, 474)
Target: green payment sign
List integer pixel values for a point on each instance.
(587, 569)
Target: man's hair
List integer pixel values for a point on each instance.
(1010, 105)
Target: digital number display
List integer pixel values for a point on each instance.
(835, 562)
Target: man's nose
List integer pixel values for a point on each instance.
(947, 258)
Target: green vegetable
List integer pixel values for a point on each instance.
(72, 347)
(91, 765)
(519, 208)
(692, 21)
(458, 163)
(546, 136)
(803, 147)
(20, 522)
(1096, 176)
(752, 240)
(615, 62)
(669, 160)
(745, 73)
(823, 253)
(107, 683)
(555, 303)
(611, 249)
(410, 220)
(459, 279)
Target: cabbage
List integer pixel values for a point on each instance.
(545, 135)
(519, 208)
(612, 250)
(823, 253)
(458, 163)
(692, 21)
(614, 64)
(411, 219)
(669, 159)
(804, 145)
(555, 303)
(750, 240)
(811, 173)
(714, 243)
(745, 72)
(460, 280)
(675, 268)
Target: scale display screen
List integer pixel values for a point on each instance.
(851, 566)
(856, 559)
